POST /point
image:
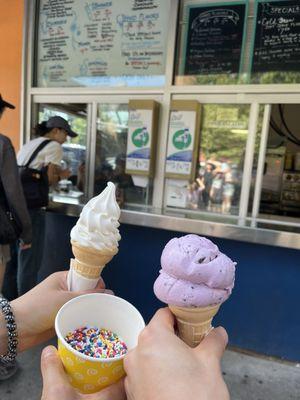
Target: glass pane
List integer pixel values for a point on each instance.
(101, 43)
(70, 190)
(276, 50)
(238, 42)
(217, 185)
(111, 145)
(212, 42)
(280, 193)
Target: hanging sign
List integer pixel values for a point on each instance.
(183, 139)
(101, 43)
(215, 38)
(276, 41)
(141, 139)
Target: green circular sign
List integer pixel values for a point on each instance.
(182, 139)
(140, 137)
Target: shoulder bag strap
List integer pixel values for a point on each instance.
(36, 151)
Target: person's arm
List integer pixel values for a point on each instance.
(35, 311)
(13, 189)
(53, 154)
(162, 367)
(53, 174)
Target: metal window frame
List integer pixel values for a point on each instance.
(254, 95)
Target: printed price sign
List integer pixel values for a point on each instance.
(141, 137)
(182, 140)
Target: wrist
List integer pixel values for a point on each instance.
(9, 321)
(3, 335)
(20, 318)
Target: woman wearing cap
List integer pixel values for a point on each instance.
(54, 131)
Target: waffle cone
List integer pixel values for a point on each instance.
(194, 323)
(88, 261)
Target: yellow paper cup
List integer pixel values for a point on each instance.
(100, 310)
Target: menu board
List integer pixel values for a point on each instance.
(87, 43)
(276, 42)
(215, 38)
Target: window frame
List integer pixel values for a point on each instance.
(254, 95)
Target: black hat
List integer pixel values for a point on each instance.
(4, 103)
(59, 122)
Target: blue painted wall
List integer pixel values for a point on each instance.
(262, 313)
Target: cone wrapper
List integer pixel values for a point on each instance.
(86, 267)
(194, 323)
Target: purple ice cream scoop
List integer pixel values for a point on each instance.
(194, 273)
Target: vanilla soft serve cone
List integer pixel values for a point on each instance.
(195, 279)
(94, 239)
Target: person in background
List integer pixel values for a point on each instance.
(228, 191)
(200, 182)
(56, 129)
(121, 179)
(11, 193)
(161, 367)
(193, 195)
(216, 191)
(103, 174)
(208, 177)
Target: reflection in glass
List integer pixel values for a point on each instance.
(217, 185)
(280, 194)
(222, 147)
(72, 189)
(110, 158)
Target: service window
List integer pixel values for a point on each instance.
(216, 187)
(71, 189)
(110, 158)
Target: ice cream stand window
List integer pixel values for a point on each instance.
(251, 206)
(236, 95)
(74, 189)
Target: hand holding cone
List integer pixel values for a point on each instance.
(195, 279)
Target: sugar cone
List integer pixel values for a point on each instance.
(88, 261)
(194, 323)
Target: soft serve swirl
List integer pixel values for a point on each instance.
(97, 226)
(194, 273)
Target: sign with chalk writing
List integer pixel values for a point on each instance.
(215, 38)
(102, 43)
(276, 41)
(139, 140)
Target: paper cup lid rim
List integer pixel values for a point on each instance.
(77, 353)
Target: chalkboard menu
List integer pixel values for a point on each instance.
(276, 43)
(94, 42)
(214, 39)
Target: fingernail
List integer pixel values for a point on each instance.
(221, 331)
(49, 351)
